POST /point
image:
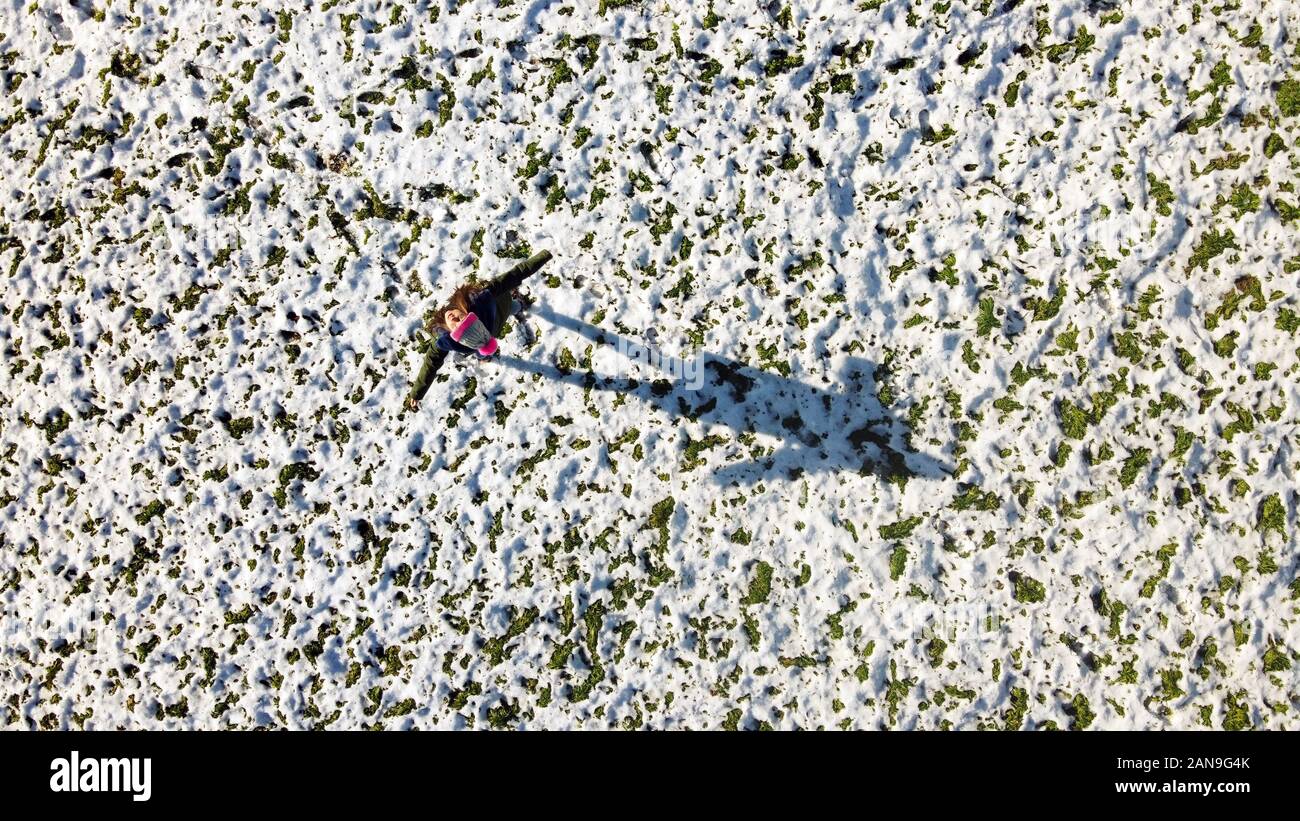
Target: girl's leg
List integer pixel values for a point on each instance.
(505, 309)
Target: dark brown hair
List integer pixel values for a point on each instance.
(459, 300)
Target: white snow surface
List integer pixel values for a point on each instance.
(984, 233)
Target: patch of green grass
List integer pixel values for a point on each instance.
(897, 562)
(1288, 97)
(1027, 590)
(760, 585)
(900, 529)
(1074, 420)
(1133, 464)
(1272, 516)
(1212, 244)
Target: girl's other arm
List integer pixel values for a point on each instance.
(432, 362)
(513, 278)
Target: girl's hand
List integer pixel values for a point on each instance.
(412, 404)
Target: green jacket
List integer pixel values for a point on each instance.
(487, 305)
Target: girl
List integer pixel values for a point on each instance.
(471, 321)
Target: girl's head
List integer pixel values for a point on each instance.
(456, 309)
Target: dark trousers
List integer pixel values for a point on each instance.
(504, 303)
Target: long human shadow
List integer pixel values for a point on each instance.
(843, 429)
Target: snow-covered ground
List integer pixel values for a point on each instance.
(994, 305)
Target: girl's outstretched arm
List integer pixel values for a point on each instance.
(512, 279)
(432, 362)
